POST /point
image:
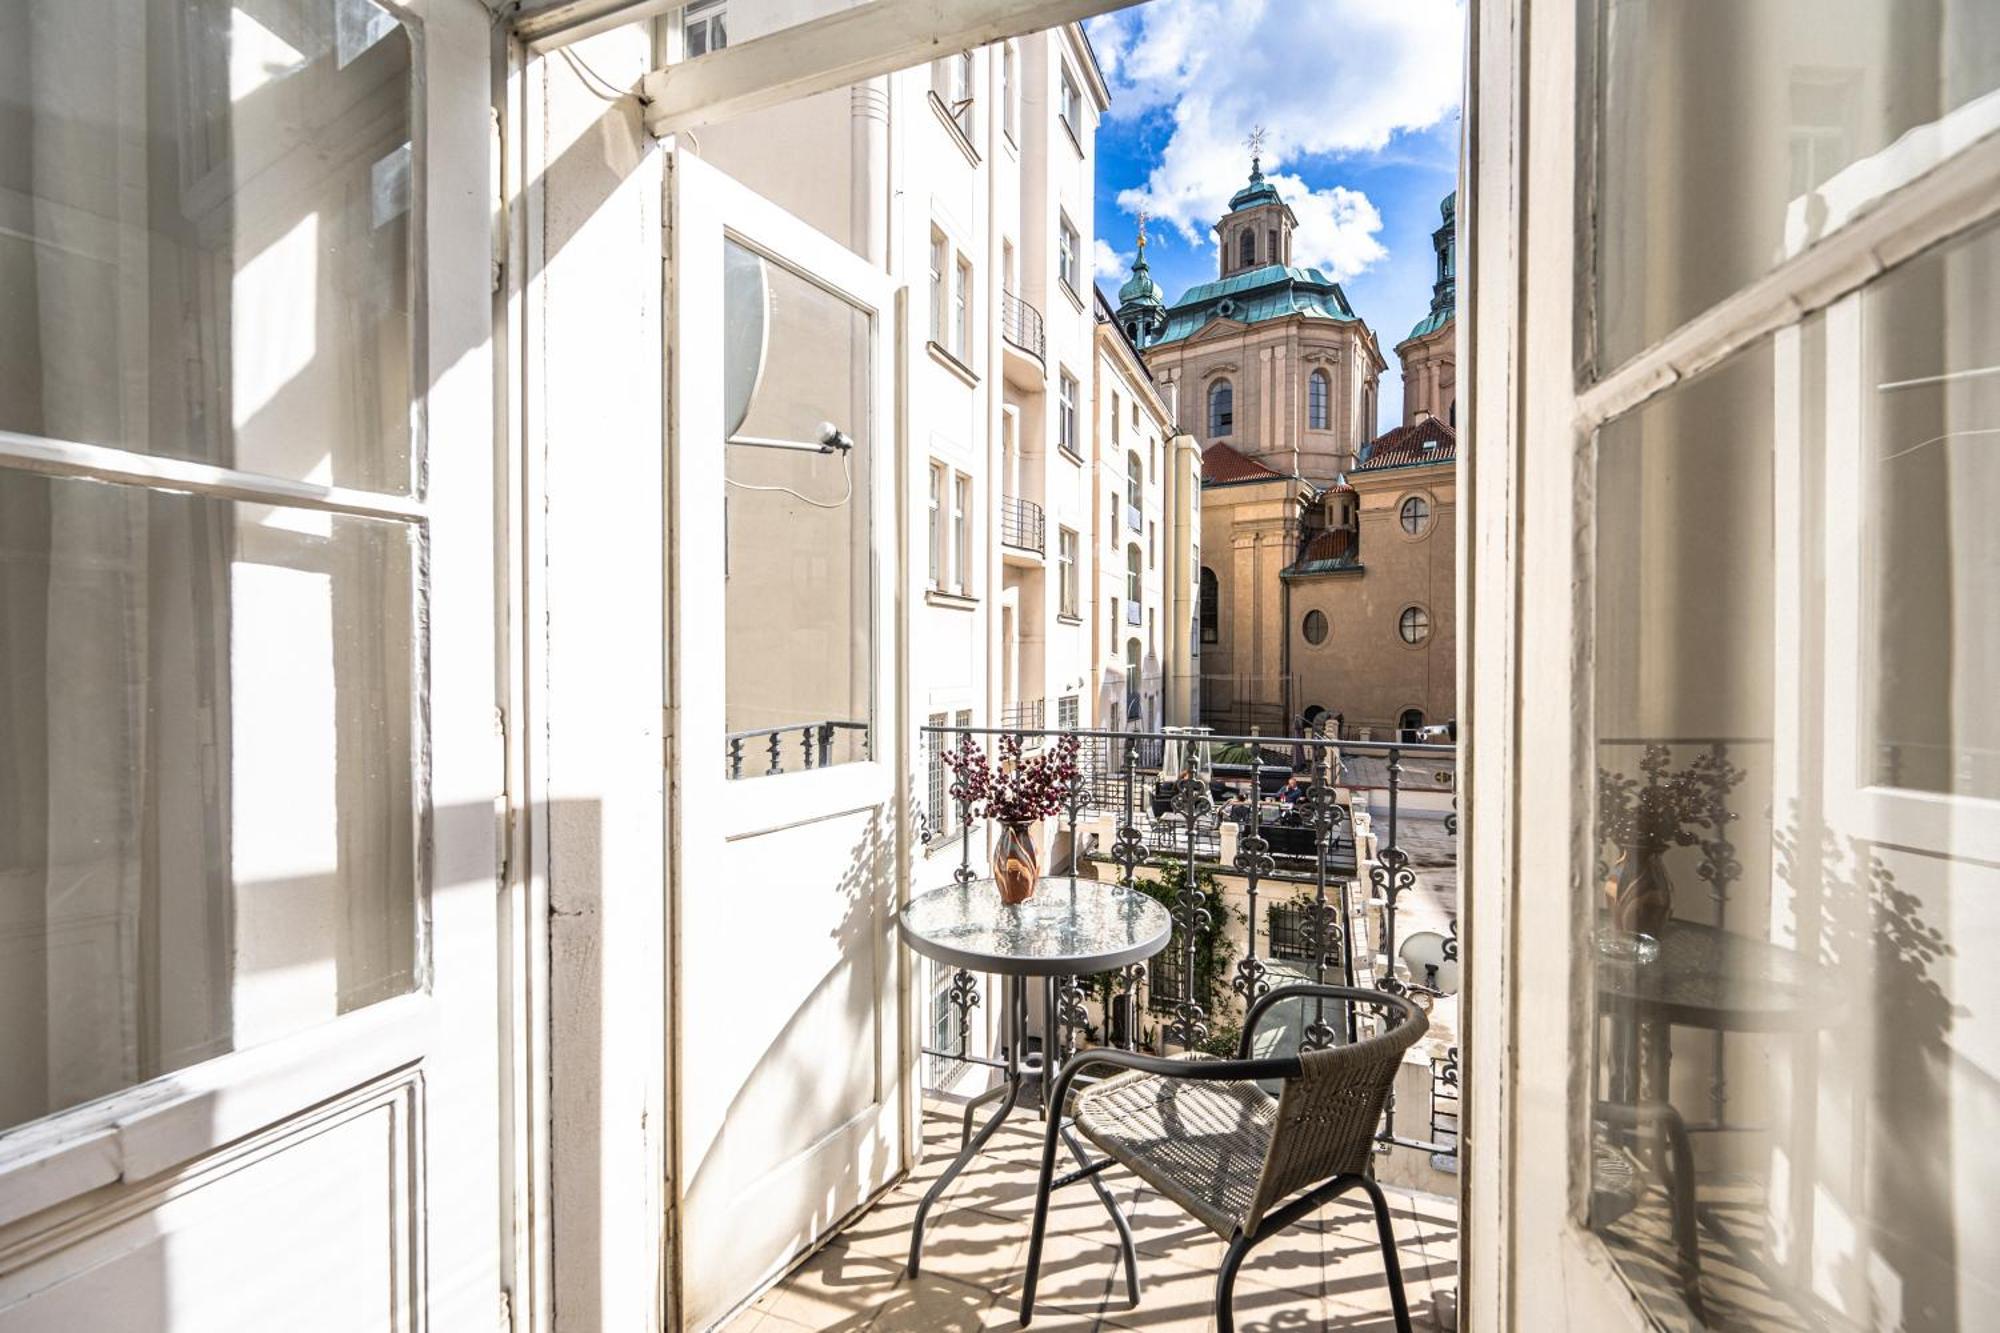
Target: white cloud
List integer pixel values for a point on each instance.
(1109, 264)
(1322, 76)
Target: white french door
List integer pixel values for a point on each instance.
(786, 830)
(1735, 757)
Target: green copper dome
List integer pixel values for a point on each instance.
(1258, 191)
(1140, 289)
(1444, 292)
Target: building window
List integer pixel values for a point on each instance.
(1132, 660)
(1318, 394)
(939, 259)
(1114, 416)
(951, 79)
(1072, 106)
(1009, 110)
(1152, 545)
(1411, 724)
(961, 324)
(1066, 411)
(1246, 250)
(1067, 712)
(1069, 249)
(1272, 257)
(1135, 485)
(1211, 610)
(1314, 628)
(1221, 409)
(1415, 515)
(1066, 558)
(704, 28)
(1152, 460)
(938, 816)
(961, 533)
(1414, 624)
(1134, 571)
(937, 549)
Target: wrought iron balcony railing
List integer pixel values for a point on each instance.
(1214, 827)
(1021, 325)
(768, 751)
(1022, 524)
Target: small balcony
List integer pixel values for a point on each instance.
(1135, 614)
(1026, 717)
(1025, 360)
(1023, 527)
(1282, 861)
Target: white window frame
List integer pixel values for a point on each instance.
(1067, 389)
(1068, 552)
(1069, 253)
(961, 534)
(1010, 91)
(940, 261)
(1070, 107)
(940, 479)
(961, 296)
(712, 17)
(1528, 765)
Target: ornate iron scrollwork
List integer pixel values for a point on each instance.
(964, 994)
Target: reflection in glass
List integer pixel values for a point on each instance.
(1787, 1077)
(1931, 450)
(1734, 135)
(800, 578)
(208, 255)
(208, 832)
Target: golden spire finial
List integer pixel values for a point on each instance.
(1142, 232)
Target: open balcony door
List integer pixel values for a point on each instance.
(788, 1058)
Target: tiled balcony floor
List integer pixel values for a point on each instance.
(1325, 1273)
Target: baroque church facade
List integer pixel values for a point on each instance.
(1327, 584)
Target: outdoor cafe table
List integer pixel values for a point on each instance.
(1070, 928)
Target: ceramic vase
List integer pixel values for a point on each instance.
(1645, 896)
(1017, 865)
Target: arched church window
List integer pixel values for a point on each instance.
(1247, 248)
(1221, 409)
(1271, 257)
(1211, 607)
(1319, 390)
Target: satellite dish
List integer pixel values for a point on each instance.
(1424, 955)
(746, 305)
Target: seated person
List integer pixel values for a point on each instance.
(1293, 790)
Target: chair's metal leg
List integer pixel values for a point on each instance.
(1042, 1187)
(1225, 1285)
(1397, 1299)
(1125, 1245)
(965, 1135)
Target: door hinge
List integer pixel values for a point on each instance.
(503, 804)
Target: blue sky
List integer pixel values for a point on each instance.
(1359, 103)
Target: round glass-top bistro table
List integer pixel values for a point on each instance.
(1070, 928)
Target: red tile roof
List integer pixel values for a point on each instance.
(1336, 544)
(1221, 464)
(1429, 441)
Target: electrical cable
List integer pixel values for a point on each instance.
(845, 469)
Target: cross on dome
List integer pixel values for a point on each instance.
(1256, 143)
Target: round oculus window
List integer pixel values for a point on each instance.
(1416, 515)
(1414, 624)
(1314, 627)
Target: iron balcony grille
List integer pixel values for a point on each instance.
(1021, 325)
(1178, 815)
(1022, 524)
(1027, 718)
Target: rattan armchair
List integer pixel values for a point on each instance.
(1246, 1164)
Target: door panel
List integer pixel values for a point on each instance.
(788, 1050)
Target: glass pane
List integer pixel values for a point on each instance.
(1733, 135)
(205, 233)
(1795, 1025)
(207, 838)
(799, 600)
(1931, 454)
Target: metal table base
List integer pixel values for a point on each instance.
(1017, 1071)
